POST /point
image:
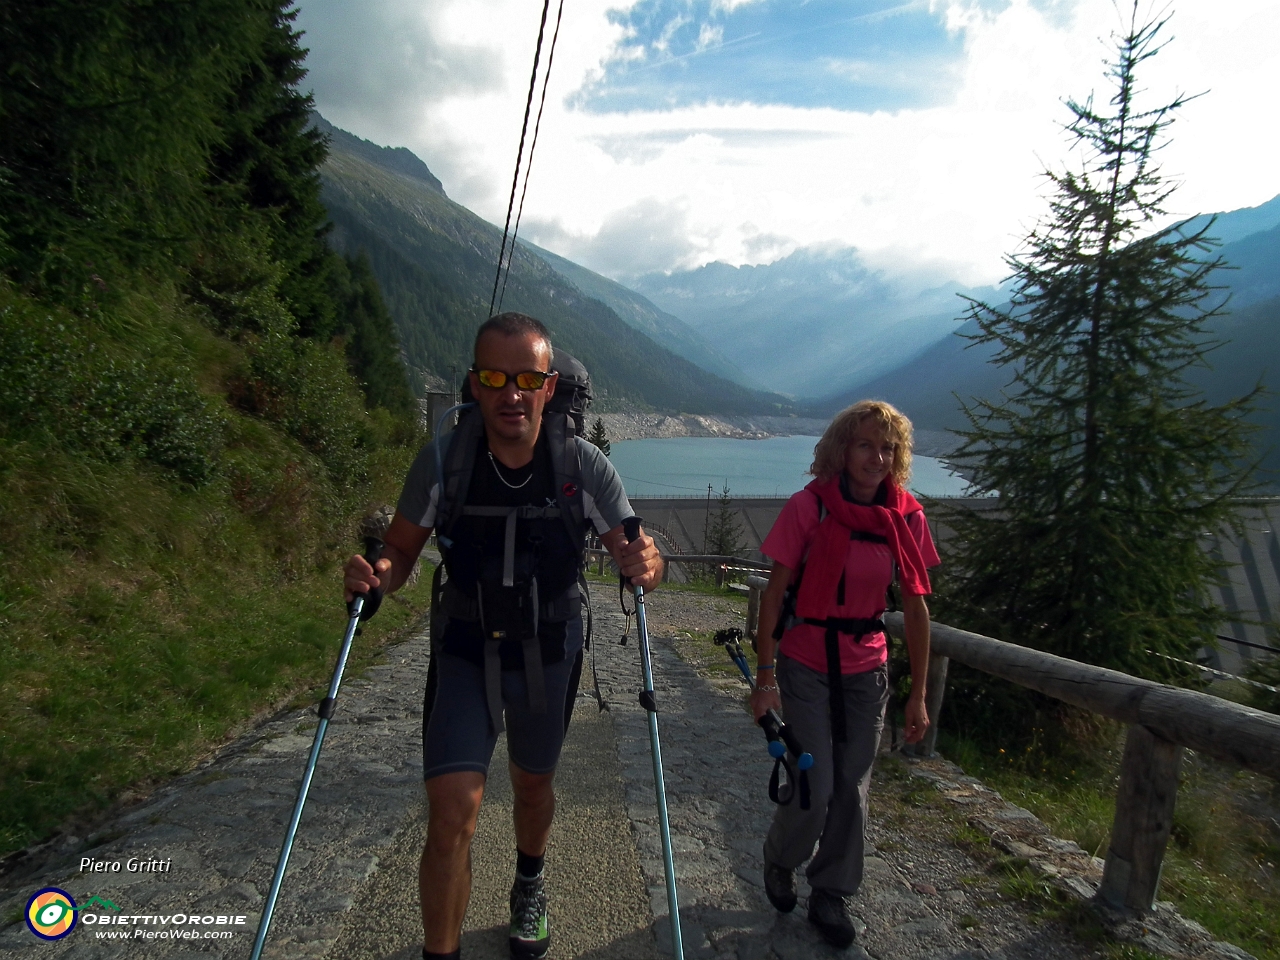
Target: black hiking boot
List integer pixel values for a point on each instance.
(530, 934)
(829, 912)
(780, 887)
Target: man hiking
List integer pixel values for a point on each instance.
(510, 648)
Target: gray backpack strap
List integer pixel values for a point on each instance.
(492, 670)
(437, 616)
(458, 462)
(534, 678)
(566, 467)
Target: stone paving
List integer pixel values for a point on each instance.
(351, 888)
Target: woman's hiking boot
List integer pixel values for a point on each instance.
(530, 934)
(780, 887)
(829, 912)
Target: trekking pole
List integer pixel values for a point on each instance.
(372, 551)
(631, 526)
(780, 737)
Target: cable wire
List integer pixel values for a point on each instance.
(528, 167)
(515, 180)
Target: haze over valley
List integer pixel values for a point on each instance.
(803, 335)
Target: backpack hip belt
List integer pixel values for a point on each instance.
(456, 605)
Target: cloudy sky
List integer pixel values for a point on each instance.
(677, 132)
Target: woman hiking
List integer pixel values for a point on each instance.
(835, 548)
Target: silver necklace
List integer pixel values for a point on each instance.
(513, 486)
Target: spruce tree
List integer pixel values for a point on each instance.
(599, 437)
(269, 158)
(1109, 467)
(724, 538)
(373, 354)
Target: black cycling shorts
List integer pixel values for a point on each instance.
(456, 731)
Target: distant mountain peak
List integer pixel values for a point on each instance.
(399, 160)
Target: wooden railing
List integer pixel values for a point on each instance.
(1162, 721)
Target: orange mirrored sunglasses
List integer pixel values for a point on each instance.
(525, 380)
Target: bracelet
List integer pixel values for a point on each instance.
(764, 666)
(766, 687)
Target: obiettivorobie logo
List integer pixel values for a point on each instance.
(52, 912)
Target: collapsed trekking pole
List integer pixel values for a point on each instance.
(781, 738)
(631, 526)
(372, 551)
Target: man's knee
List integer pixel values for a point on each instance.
(532, 788)
(453, 801)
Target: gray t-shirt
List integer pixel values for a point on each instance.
(604, 500)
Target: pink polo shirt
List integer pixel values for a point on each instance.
(868, 573)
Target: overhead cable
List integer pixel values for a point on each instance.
(515, 179)
(528, 168)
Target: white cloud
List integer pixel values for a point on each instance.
(664, 39)
(709, 35)
(956, 183)
(647, 236)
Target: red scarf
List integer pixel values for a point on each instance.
(830, 546)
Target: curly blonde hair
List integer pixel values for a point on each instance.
(829, 453)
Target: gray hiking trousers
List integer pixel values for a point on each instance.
(837, 818)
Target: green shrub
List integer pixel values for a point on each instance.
(58, 380)
(304, 386)
(233, 276)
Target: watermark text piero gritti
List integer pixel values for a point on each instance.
(132, 865)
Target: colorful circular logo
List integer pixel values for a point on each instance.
(51, 913)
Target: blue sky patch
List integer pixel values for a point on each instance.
(860, 55)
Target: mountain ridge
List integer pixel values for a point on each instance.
(791, 324)
(434, 260)
(400, 160)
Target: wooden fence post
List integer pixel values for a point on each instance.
(1144, 818)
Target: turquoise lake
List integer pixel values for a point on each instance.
(775, 467)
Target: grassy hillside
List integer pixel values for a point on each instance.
(198, 398)
(434, 261)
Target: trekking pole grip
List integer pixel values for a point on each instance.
(804, 759)
(371, 600)
(631, 527)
